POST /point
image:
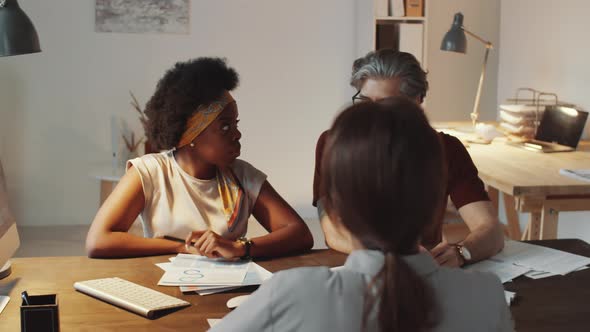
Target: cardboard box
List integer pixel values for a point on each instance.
(414, 7)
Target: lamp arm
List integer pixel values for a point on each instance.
(487, 43)
(475, 113)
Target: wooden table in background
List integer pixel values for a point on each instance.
(556, 303)
(530, 182)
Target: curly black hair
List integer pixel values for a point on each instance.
(178, 94)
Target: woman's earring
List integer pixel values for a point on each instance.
(192, 145)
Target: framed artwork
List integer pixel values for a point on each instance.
(143, 16)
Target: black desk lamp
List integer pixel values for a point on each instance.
(455, 41)
(17, 32)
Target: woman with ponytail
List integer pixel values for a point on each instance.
(383, 183)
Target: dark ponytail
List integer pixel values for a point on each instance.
(406, 302)
(384, 179)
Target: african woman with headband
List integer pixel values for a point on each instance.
(196, 189)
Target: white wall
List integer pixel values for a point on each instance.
(545, 46)
(293, 58)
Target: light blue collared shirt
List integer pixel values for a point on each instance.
(323, 299)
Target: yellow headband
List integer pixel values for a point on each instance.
(203, 117)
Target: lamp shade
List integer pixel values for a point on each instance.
(455, 40)
(17, 32)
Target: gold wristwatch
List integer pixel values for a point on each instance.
(247, 244)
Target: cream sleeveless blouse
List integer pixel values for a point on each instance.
(177, 203)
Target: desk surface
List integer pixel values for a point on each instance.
(520, 172)
(551, 304)
(56, 275)
(558, 303)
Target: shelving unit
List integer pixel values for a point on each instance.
(404, 33)
(383, 19)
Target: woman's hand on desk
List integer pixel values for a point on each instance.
(212, 245)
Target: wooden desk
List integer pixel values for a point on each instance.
(557, 303)
(79, 312)
(530, 182)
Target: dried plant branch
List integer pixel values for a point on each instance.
(142, 117)
(132, 145)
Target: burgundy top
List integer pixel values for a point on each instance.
(463, 186)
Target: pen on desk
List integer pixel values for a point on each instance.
(25, 296)
(172, 238)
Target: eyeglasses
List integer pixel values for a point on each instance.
(358, 98)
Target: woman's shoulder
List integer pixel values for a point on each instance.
(469, 277)
(299, 274)
(465, 284)
(320, 279)
(157, 157)
(241, 164)
(479, 295)
(246, 171)
(152, 161)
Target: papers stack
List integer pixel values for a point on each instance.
(578, 174)
(533, 261)
(194, 273)
(520, 120)
(505, 271)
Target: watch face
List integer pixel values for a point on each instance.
(465, 253)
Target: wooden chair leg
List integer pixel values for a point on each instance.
(534, 232)
(512, 217)
(548, 227)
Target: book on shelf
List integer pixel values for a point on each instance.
(415, 8)
(396, 8)
(381, 8)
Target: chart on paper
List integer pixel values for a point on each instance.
(194, 270)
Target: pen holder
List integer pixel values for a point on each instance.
(40, 314)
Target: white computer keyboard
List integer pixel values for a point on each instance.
(128, 295)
